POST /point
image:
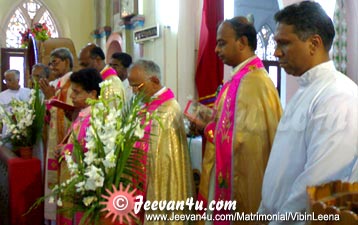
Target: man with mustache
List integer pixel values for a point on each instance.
(316, 141)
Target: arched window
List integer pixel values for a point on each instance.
(265, 43)
(25, 15)
(265, 50)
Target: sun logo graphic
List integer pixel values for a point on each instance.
(120, 204)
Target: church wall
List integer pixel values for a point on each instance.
(76, 19)
(176, 49)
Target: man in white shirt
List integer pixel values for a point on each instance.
(14, 91)
(316, 140)
(120, 62)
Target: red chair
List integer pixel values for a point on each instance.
(22, 185)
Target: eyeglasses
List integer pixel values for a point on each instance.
(55, 62)
(5, 81)
(137, 86)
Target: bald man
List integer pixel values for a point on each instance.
(92, 56)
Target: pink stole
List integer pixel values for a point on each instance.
(144, 143)
(107, 72)
(79, 127)
(224, 134)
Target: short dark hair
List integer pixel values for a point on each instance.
(124, 58)
(88, 78)
(308, 18)
(97, 51)
(243, 27)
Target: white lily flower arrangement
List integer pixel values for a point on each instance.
(24, 122)
(111, 158)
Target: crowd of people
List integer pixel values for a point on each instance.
(256, 154)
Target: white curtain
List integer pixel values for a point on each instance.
(351, 7)
(340, 40)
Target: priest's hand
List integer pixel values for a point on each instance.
(58, 151)
(48, 90)
(197, 125)
(194, 130)
(72, 114)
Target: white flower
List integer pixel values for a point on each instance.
(88, 200)
(59, 202)
(99, 181)
(80, 186)
(108, 134)
(110, 160)
(139, 131)
(97, 123)
(92, 171)
(89, 157)
(126, 128)
(72, 166)
(95, 178)
(110, 147)
(105, 83)
(51, 199)
(113, 130)
(68, 158)
(55, 188)
(18, 118)
(111, 117)
(90, 138)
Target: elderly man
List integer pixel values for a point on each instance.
(240, 137)
(316, 141)
(39, 71)
(168, 168)
(14, 91)
(61, 64)
(92, 56)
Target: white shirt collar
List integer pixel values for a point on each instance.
(312, 74)
(161, 91)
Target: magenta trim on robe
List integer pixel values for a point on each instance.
(224, 133)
